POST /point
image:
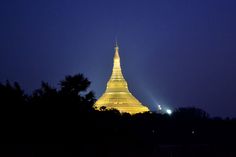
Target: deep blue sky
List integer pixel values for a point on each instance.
(175, 53)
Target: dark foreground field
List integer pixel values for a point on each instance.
(113, 150)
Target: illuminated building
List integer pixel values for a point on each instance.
(117, 94)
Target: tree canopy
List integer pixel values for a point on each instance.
(66, 113)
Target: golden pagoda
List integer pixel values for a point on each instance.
(117, 94)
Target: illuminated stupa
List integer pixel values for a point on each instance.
(117, 94)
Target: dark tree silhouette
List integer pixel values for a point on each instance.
(46, 95)
(74, 91)
(190, 113)
(66, 114)
(71, 95)
(11, 95)
(74, 85)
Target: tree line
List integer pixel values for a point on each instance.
(66, 115)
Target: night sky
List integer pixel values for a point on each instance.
(174, 53)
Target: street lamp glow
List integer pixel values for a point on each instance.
(168, 111)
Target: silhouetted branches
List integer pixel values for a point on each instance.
(67, 114)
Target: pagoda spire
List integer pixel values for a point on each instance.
(116, 71)
(116, 50)
(117, 94)
(116, 44)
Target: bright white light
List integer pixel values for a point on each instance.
(159, 107)
(168, 111)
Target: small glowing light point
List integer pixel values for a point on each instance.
(168, 111)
